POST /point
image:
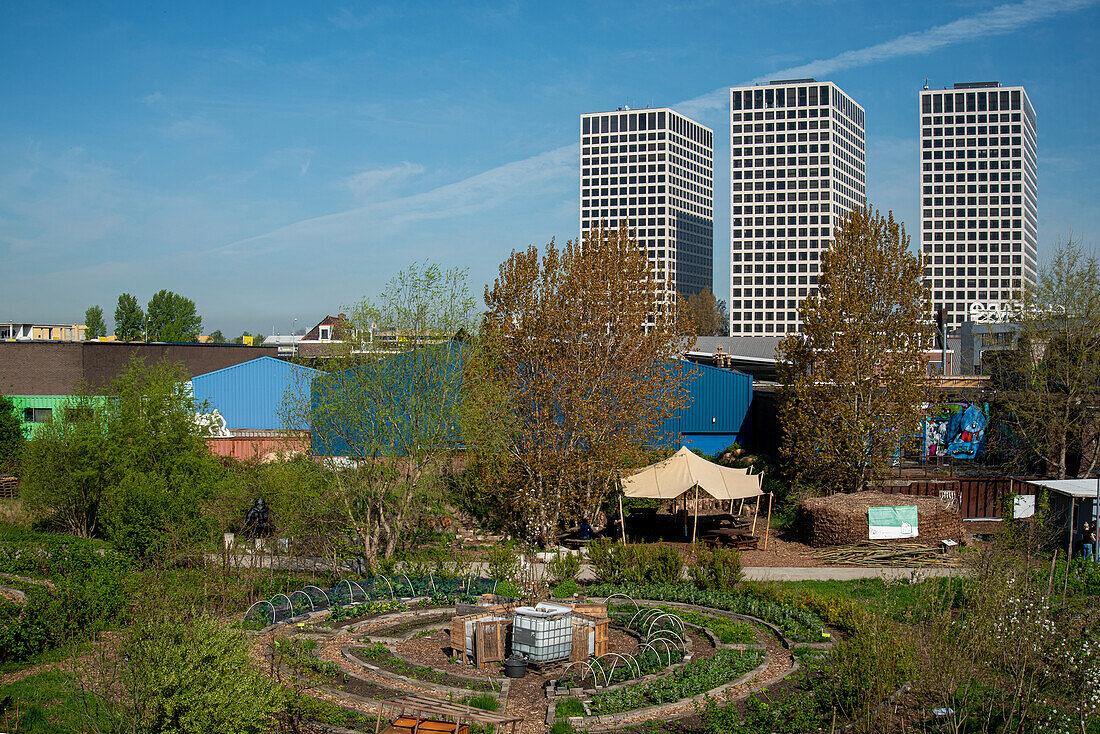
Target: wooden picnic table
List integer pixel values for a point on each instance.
(737, 538)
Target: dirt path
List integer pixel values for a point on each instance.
(26, 580)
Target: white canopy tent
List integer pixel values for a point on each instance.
(684, 471)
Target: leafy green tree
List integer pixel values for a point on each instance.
(217, 337)
(132, 466)
(173, 318)
(129, 319)
(12, 435)
(65, 473)
(854, 380)
(395, 398)
(93, 323)
(161, 474)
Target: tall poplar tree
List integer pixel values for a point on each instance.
(584, 362)
(854, 380)
(129, 319)
(172, 318)
(93, 323)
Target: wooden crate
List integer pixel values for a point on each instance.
(579, 650)
(590, 609)
(490, 638)
(458, 633)
(600, 647)
(583, 627)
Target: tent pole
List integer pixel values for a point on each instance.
(695, 527)
(768, 524)
(755, 512)
(622, 518)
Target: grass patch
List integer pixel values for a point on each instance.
(51, 702)
(482, 701)
(569, 707)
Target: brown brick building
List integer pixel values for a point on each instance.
(58, 368)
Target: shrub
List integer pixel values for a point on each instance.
(565, 590)
(603, 557)
(616, 562)
(665, 566)
(503, 562)
(865, 668)
(716, 569)
(196, 676)
(564, 567)
(509, 589)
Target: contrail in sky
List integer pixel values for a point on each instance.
(502, 182)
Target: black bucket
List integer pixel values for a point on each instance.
(515, 668)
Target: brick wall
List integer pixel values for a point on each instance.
(57, 368)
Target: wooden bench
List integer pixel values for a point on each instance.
(413, 725)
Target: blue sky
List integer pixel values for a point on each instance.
(278, 161)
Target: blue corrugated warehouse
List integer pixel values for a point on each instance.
(251, 395)
(718, 414)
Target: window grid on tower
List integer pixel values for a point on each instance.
(797, 153)
(979, 196)
(653, 171)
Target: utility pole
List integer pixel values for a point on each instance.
(941, 333)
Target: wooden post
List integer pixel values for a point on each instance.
(768, 525)
(622, 519)
(695, 527)
(755, 512)
(1069, 548)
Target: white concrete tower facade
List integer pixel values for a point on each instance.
(979, 197)
(797, 165)
(653, 170)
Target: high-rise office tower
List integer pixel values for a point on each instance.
(979, 197)
(653, 170)
(796, 167)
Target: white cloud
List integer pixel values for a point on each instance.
(996, 21)
(520, 178)
(369, 185)
(194, 127)
(156, 99)
(477, 193)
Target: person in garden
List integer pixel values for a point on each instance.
(1088, 537)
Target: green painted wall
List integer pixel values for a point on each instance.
(53, 403)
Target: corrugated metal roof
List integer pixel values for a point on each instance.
(749, 347)
(251, 394)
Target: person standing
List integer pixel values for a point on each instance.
(1088, 535)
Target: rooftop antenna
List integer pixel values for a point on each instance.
(926, 83)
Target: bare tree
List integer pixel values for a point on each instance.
(1050, 384)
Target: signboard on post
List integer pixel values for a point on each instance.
(887, 523)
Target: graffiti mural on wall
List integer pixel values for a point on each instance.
(956, 430)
